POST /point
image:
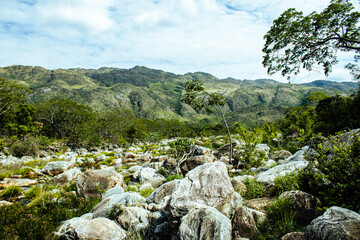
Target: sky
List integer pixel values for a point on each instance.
(220, 37)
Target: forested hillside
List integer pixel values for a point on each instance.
(154, 94)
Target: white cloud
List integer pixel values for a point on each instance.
(222, 37)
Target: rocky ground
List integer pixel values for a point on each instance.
(146, 194)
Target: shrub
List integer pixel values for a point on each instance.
(173, 177)
(280, 220)
(284, 183)
(10, 192)
(34, 192)
(254, 189)
(334, 173)
(146, 192)
(27, 147)
(179, 147)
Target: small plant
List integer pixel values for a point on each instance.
(34, 192)
(254, 189)
(284, 183)
(27, 147)
(173, 177)
(115, 211)
(10, 192)
(179, 148)
(280, 220)
(132, 188)
(146, 192)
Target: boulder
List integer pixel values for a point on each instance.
(100, 158)
(197, 150)
(164, 190)
(293, 236)
(90, 184)
(207, 184)
(259, 204)
(192, 162)
(57, 167)
(4, 203)
(224, 150)
(67, 176)
(84, 229)
(305, 204)
(280, 155)
(134, 219)
(103, 208)
(238, 185)
(22, 182)
(113, 191)
(336, 223)
(244, 221)
(205, 223)
(149, 175)
(263, 148)
(281, 170)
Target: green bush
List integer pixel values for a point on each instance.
(254, 189)
(173, 177)
(280, 220)
(10, 192)
(179, 147)
(334, 173)
(284, 183)
(146, 192)
(26, 147)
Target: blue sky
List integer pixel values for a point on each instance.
(221, 37)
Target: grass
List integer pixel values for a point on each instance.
(146, 192)
(10, 192)
(255, 189)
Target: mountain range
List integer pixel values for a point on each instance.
(152, 94)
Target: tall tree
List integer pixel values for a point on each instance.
(296, 41)
(198, 98)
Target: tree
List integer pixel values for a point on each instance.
(296, 41)
(11, 94)
(198, 98)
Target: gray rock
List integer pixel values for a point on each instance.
(113, 191)
(134, 219)
(103, 208)
(293, 236)
(57, 167)
(336, 223)
(263, 148)
(164, 190)
(21, 182)
(244, 221)
(149, 175)
(92, 183)
(100, 158)
(205, 223)
(199, 150)
(208, 184)
(67, 176)
(84, 229)
(192, 162)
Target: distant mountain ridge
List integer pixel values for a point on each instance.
(151, 93)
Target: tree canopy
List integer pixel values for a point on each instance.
(296, 41)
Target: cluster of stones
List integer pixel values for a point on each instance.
(205, 204)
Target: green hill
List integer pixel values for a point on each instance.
(155, 94)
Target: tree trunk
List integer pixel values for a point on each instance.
(229, 135)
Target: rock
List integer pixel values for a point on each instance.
(205, 223)
(263, 148)
(305, 204)
(57, 167)
(134, 219)
(103, 208)
(259, 204)
(224, 150)
(100, 158)
(244, 221)
(336, 223)
(146, 186)
(192, 162)
(197, 150)
(293, 236)
(70, 156)
(269, 176)
(299, 155)
(84, 229)
(149, 175)
(113, 191)
(67, 176)
(280, 155)
(207, 184)
(164, 190)
(238, 185)
(90, 184)
(4, 203)
(24, 182)
(143, 158)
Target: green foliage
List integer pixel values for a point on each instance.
(173, 177)
(249, 156)
(296, 41)
(338, 172)
(115, 211)
(10, 192)
(146, 192)
(254, 189)
(18, 221)
(179, 147)
(285, 183)
(26, 147)
(280, 220)
(34, 192)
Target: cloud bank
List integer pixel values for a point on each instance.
(221, 37)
